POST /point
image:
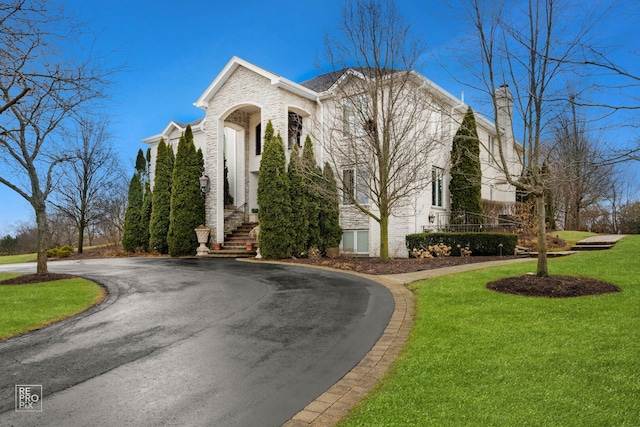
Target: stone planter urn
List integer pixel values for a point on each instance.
(202, 234)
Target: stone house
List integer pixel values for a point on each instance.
(244, 97)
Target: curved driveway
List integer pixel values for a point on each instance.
(194, 342)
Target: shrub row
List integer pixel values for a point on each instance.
(478, 243)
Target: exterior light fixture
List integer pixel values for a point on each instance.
(432, 218)
(204, 184)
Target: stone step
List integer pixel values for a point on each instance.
(242, 244)
(590, 247)
(230, 253)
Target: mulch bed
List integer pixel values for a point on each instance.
(552, 286)
(393, 266)
(28, 279)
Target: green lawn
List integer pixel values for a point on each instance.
(480, 358)
(27, 307)
(16, 259)
(571, 237)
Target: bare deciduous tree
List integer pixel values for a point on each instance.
(42, 86)
(382, 143)
(89, 177)
(535, 47)
(580, 180)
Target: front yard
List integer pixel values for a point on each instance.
(477, 357)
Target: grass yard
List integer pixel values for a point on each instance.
(16, 259)
(27, 307)
(571, 237)
(481, 358)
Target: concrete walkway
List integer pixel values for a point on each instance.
(604, 239)
(328, 408)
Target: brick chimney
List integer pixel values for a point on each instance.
(504, 103)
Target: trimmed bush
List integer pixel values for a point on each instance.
(60, 252)
(479, 243)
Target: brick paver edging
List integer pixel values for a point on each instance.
(333, 404)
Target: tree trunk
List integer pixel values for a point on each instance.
(384, 237)
(81, 237)
(542, 270)
(41, 221)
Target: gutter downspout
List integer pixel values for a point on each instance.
(321, 130)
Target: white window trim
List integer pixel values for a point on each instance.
(355, 242)
(351, 109)
(360, 188)
(437, 187)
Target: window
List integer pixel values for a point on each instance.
(353, 184)
(355, 241)
(258, 139)
(295, 129)
(436, 124)
(353, 111)
(490, 149)
(436, 186)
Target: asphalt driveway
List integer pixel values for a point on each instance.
(194, 342)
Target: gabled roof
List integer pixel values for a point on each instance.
(324, 82)
(181, 127)
(230, 68)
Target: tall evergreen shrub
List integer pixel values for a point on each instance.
(147, 208)
(159, 223)
(273, 199)
(313, 185)
(298, 193)
(132, 235)
(466, 174)
(329, 214)
(187, 203)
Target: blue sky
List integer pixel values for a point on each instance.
(173, 50)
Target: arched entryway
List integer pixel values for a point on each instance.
(240, 147)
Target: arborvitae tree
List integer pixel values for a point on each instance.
(298, 194)
(228, 198)
(147, 208)
(273, 199)
(187, 203)
(172, 157)
(312, 174)
(132, 235)
(141, 164)
(200, 161)
(330, 230)
(159, 223)
(466, 174)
